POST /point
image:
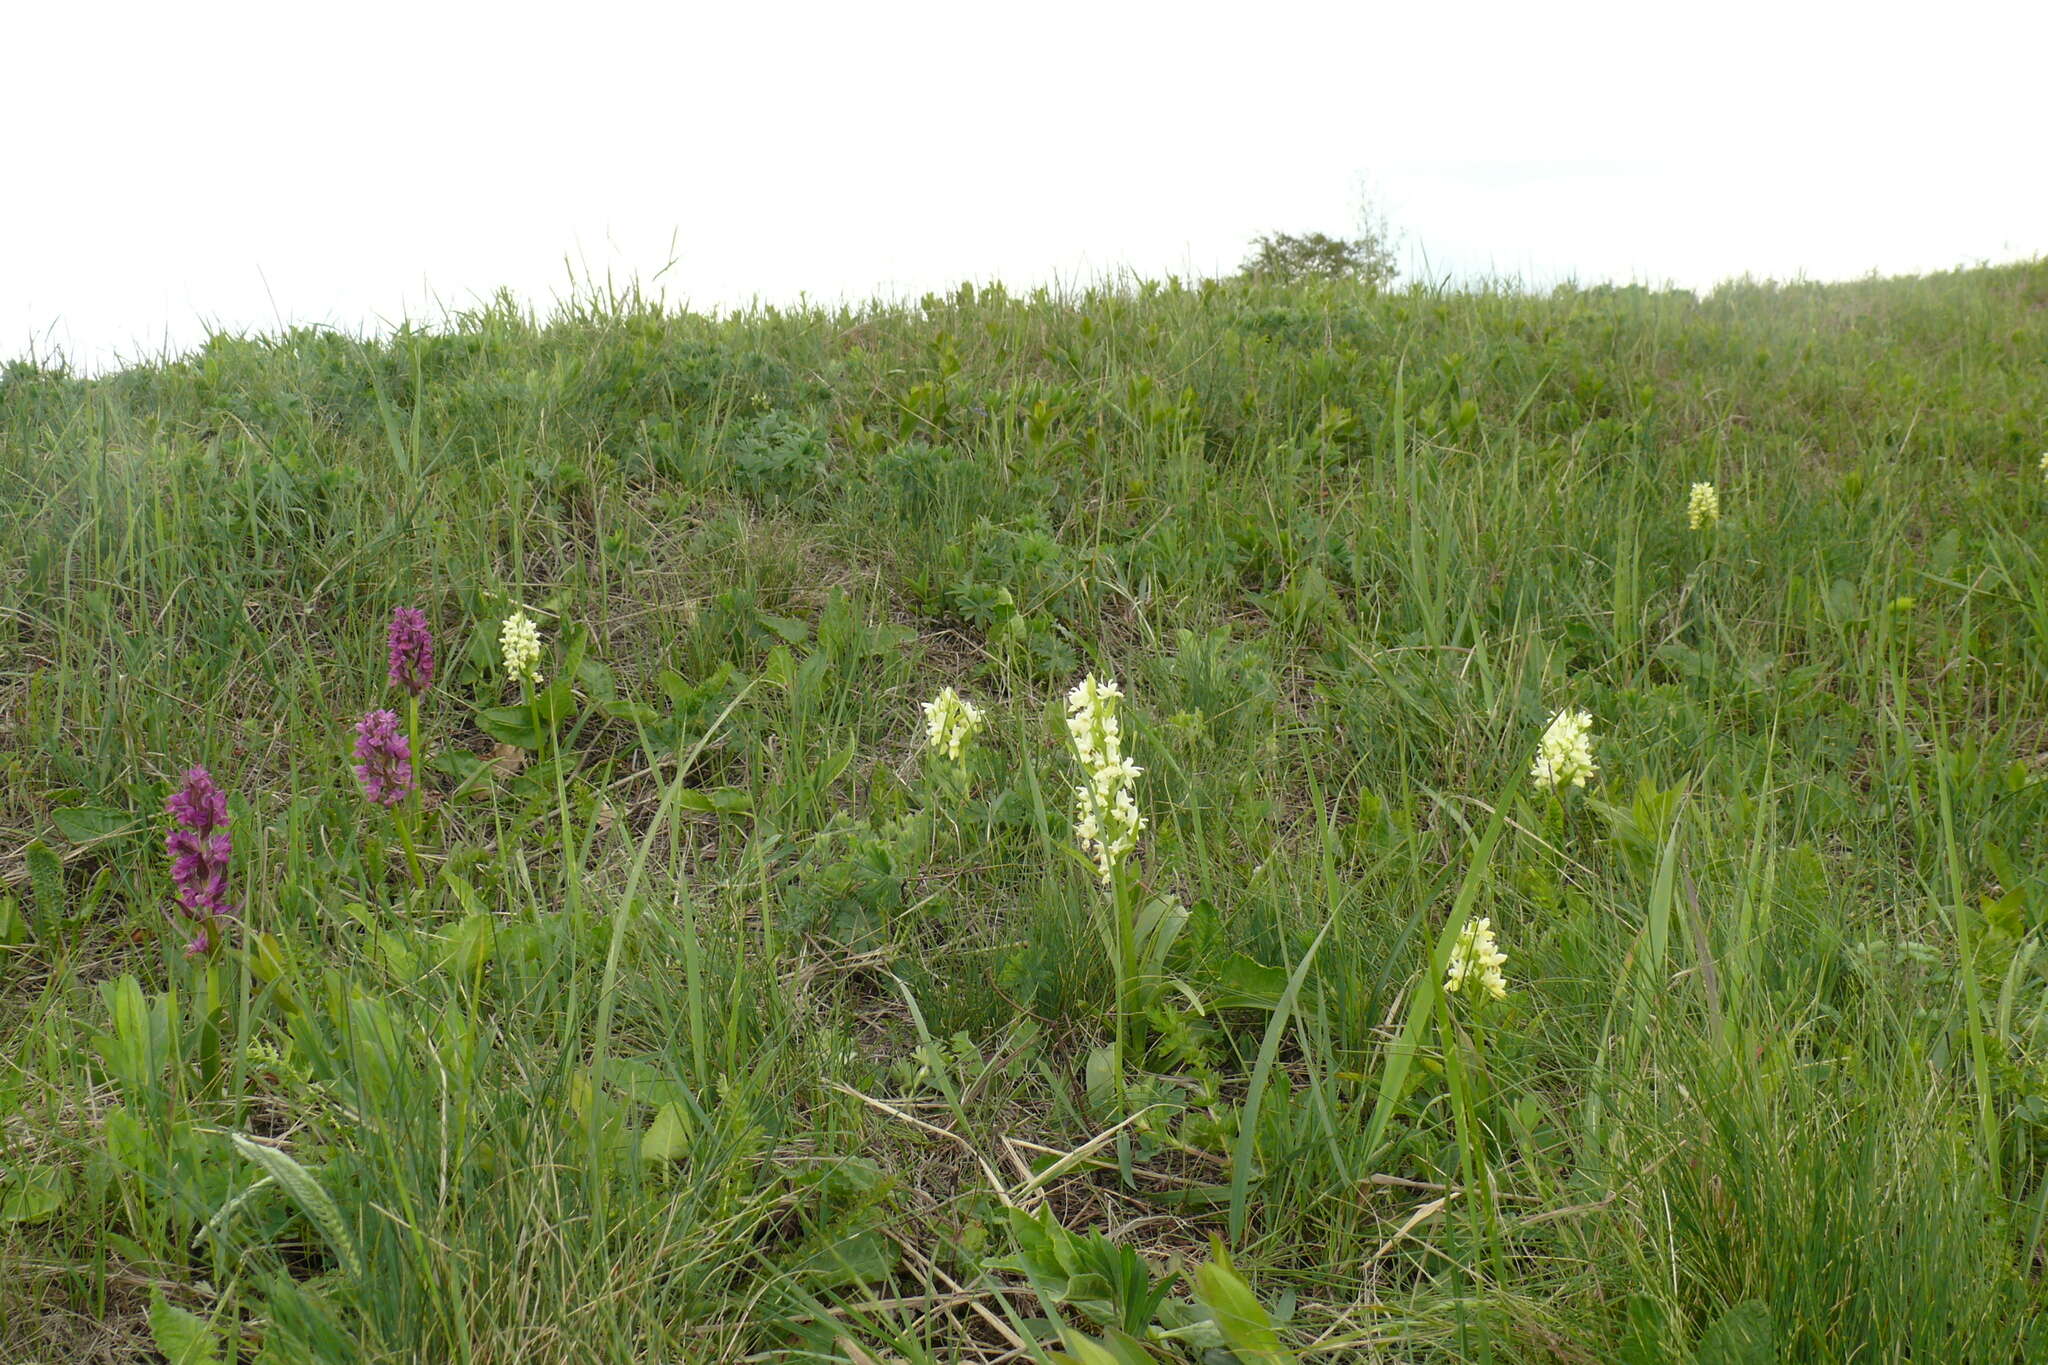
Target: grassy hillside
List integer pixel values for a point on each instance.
(693, 1009)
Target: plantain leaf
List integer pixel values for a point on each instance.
(668, 1137)
(184, 1338)
(83, 824)
(13, 928)
(513, 725)
(1744, 1335)
(29, 1194)
(1240, 1316)
(717, 800)
(46, 881)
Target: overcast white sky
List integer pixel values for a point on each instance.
(171, 168)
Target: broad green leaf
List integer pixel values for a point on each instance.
(1643, 1338)
(835, 764)
(184, 1338)
(96, 891)
(46, 881)
(470, 944)
(460, 764)
(1241, 1318)
(787, 628)
(396, 954)
(269, 964)
(29, 1194)
(139, 1043)
(596, 676)
(1102, 1077)
(1159, 922)
(1082, 1351)
(554, 705)
(1744, 1335)
(780, 667)
(668, 1137)
(1243, 983)
(83, 824)
(514, 725)
(863, 1257)
(127, 1143)
(13, 928)
(716, 800)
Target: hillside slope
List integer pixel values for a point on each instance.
(691, 1008)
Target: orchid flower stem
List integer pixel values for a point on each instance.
(571, 869)
(1130, 1017)
(418, 793)
(412, 738)
(412, 857)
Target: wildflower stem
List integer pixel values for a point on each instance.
(419, 759)
(1461, 1058)
(412, 737)
(1130, 1021)
(412, 857)
(571, 866)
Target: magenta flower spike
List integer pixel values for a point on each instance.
(412, 651)
(383, 758)
(199, 850)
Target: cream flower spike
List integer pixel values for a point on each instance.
(519, 641)
(1476, 957)
(1703, 508)
(1107, 820)
(950, 723)
(1565, 753)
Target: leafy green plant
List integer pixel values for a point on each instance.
(775, 455)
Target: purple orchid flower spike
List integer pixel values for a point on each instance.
(200, 849)
(383, 758)
(412, 651)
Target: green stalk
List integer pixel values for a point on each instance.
(1479, 1189)
(412, 857)
(1130, 1019)
(419, 763)
(412, 737)
(1973, 990)
(572, 867)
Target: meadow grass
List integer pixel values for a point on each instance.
(693, 1011)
